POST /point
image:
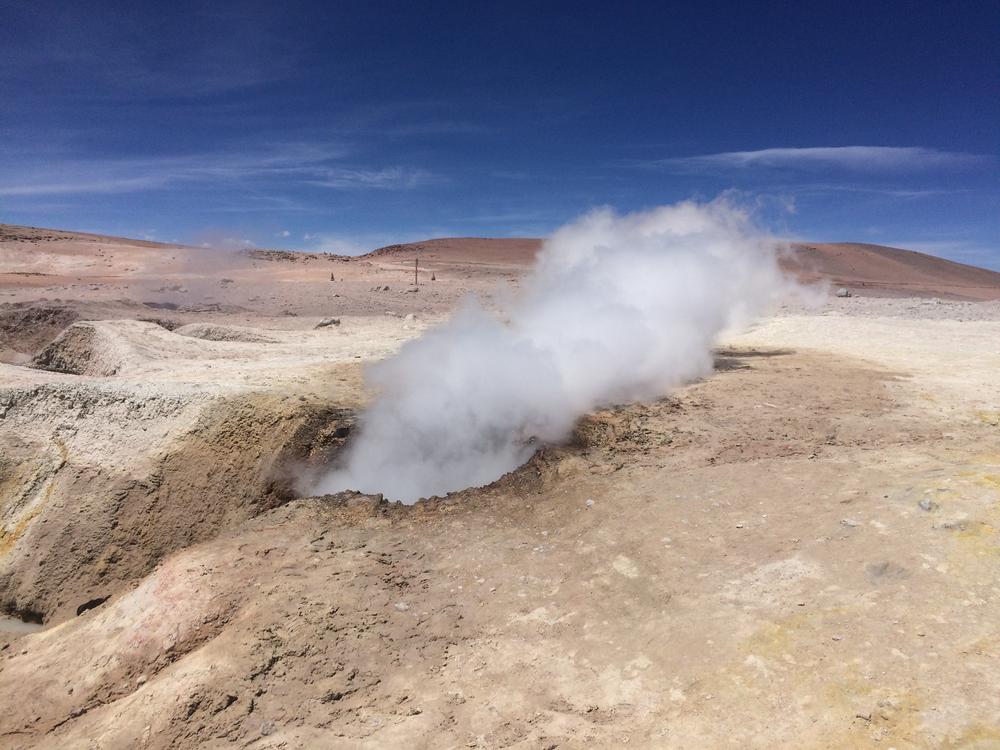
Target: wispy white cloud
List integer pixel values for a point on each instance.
(853, 158)
(407, 118)
(76, 185)
(387, 178)
(134, 56)
(436, 127)
(874, 190)
(274, 166)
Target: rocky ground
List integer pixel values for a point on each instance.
(799, 551)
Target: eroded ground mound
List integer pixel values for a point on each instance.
(136, 441)
(88, 513)
(214, 332)
(26, 328)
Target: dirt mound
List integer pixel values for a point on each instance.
(104, 348)
(213, 332)
(25, 328)
(84, 349)
(93, 504)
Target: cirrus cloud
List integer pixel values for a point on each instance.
(851, 158)
(275, 167)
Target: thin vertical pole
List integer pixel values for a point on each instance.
(416, 262)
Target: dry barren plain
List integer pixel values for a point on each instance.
(800, 551)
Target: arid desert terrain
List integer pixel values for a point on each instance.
(799, 551)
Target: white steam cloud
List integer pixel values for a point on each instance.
(617, 309)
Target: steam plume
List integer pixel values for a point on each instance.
(617, 309)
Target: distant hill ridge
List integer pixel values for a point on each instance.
(863, 268)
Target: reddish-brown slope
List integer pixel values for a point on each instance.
(504, 251)
(871, 269)
(892, 271)
(866, 269)
(39, 236)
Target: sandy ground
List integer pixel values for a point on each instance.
(799, 551)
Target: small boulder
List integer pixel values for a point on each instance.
(326, 322)
(843, 292)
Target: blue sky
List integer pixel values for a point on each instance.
(349, 125)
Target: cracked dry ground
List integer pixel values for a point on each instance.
(745, 564)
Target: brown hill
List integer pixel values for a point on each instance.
(513, 251)
(866, 269)
(31, 256)
(40, 236)
(892, 271)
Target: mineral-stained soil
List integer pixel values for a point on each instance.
(799, 551)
